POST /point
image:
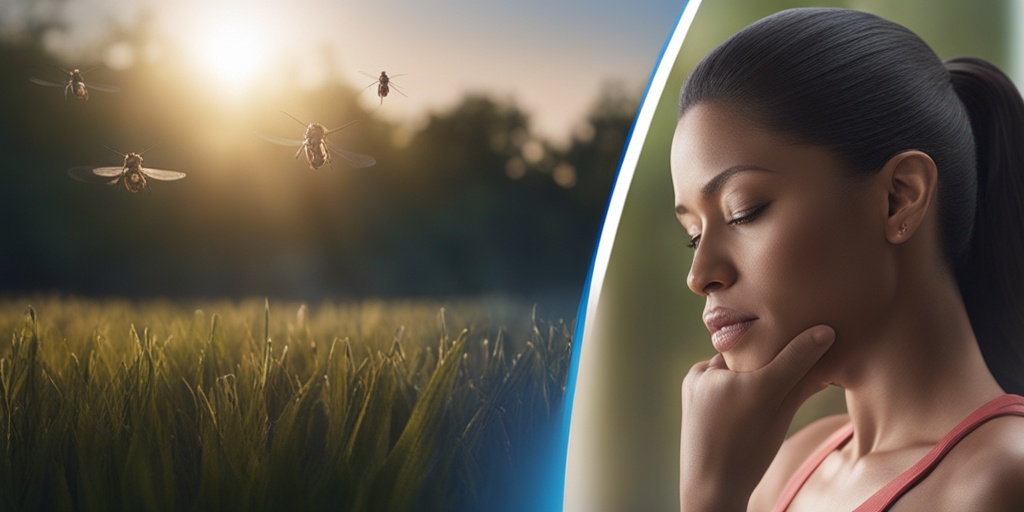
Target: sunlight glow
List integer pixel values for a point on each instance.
(231, 49)
(232, 55)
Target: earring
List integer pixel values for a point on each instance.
(903, 229)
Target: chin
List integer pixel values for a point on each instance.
(753, 352)
(745, 361)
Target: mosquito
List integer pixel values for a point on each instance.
(75, 84)
(384, 84)
(132, 175)
(317, 148)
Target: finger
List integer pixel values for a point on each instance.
(797, 357)
(701, 367)
(691, 376)
(717, 363)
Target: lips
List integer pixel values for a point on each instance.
(727, 326)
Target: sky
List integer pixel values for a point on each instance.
(551, 57)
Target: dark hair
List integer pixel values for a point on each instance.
(868, 89)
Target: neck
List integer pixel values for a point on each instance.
(921, 373)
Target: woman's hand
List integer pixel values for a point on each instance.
(734, 423)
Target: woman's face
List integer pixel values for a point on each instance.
(784, 239)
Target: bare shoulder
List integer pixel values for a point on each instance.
(985, 471)
(792, 454)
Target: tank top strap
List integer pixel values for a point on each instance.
(831, 444)
(885, 497)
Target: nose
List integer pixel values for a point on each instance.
(712, 268)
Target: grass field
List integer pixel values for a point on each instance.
(113, 405)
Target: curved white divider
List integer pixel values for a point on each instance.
(582, 402)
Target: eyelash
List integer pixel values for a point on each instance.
(746, 217)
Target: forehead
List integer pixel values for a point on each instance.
(710, 139)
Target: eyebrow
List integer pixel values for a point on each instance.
(715, 184)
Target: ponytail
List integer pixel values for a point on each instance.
(991, 277)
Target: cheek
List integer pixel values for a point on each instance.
(814, 269)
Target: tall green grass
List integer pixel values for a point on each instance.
(108, 405)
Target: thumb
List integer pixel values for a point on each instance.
(799, 355)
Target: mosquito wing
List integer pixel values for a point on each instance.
(46, 82)
(162, 175)
(279, 140)
(395, 88)
(356, 160)
(102, 87)
(90, 174)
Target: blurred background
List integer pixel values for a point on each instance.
(649, 329)
(493, 168)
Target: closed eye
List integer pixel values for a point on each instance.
(743, 218)
(749, 215)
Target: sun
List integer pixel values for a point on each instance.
(231, 49)
(233, 55)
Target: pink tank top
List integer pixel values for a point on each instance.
(887, 496)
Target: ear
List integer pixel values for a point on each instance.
(912, 178)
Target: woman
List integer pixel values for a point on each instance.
(855, 209)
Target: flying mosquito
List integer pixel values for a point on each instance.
(132, 175)
(75, 84)
(384, 84)
(317, 148)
